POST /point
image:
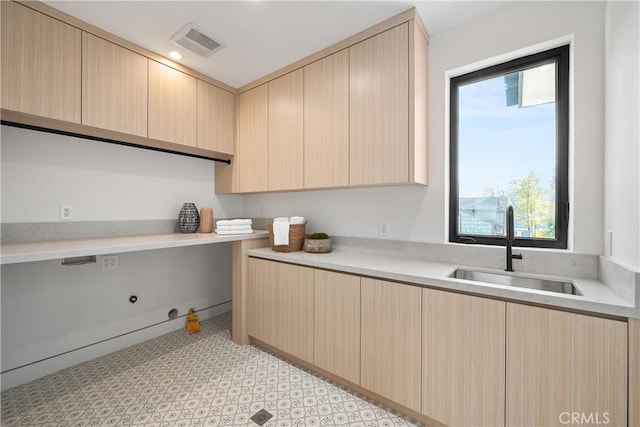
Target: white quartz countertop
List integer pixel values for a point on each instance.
(40, 251)
(597, 298)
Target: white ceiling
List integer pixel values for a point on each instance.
(258, 37)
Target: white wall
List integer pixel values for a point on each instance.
(101, 181)
(419, 214)
(622, 154)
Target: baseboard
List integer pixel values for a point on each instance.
(353, 387)
(53, 364)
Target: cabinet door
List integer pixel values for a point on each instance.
(114, 87)
(390, 342)
(286, 132)
(172, 105)
(463, 352)
(561, 364)
(326, 122)
(379, 109)
(41, 64)
(634, 372)
(216, 111)
(337, 324)
(263, 300)
(295, 310)
(253, 140)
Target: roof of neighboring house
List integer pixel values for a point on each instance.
(482, 215)
(469, 224)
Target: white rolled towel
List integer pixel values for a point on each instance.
(280, 233)
(219, 231)
(233, 222)
(281, 219)
(297, 220)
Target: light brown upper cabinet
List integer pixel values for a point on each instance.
(172, 105)
(391, 363)
(379, 109)
(251, 158)
(463, 353)
(75, 78)
(364, 114)
(285, 156)
(216, 110)
(41, 64)
(269, 154)
(388, 107)
(326, 122)
(114, 87)
(560, 364)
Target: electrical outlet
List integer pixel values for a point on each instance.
(66, 213)
(109, 262)
(384, 227)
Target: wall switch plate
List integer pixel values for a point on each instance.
(109, 262)
(66, 213)
(383, 228)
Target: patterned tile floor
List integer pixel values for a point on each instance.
(189, 380)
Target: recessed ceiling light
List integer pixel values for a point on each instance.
(175, 55)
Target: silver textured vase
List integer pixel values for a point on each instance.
(189, 218)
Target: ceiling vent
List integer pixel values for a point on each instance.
(190, 38)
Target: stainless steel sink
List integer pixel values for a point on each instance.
(563, 287)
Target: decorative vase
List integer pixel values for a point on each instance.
(206, 220)
(188, 219)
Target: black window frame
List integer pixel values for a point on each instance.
(561, 56)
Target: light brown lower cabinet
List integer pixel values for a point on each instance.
(281, 306)
(337, 324)
(295, 311)
(463, 353)
(263, 299)
(634, 372)
(391, 333)
(565, 368)
(457, 359)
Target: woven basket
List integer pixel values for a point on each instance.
(296, 238)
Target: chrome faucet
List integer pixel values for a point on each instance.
(510, 238)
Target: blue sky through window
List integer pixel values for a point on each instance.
(497, 143)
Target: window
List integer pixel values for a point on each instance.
(509, 140)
